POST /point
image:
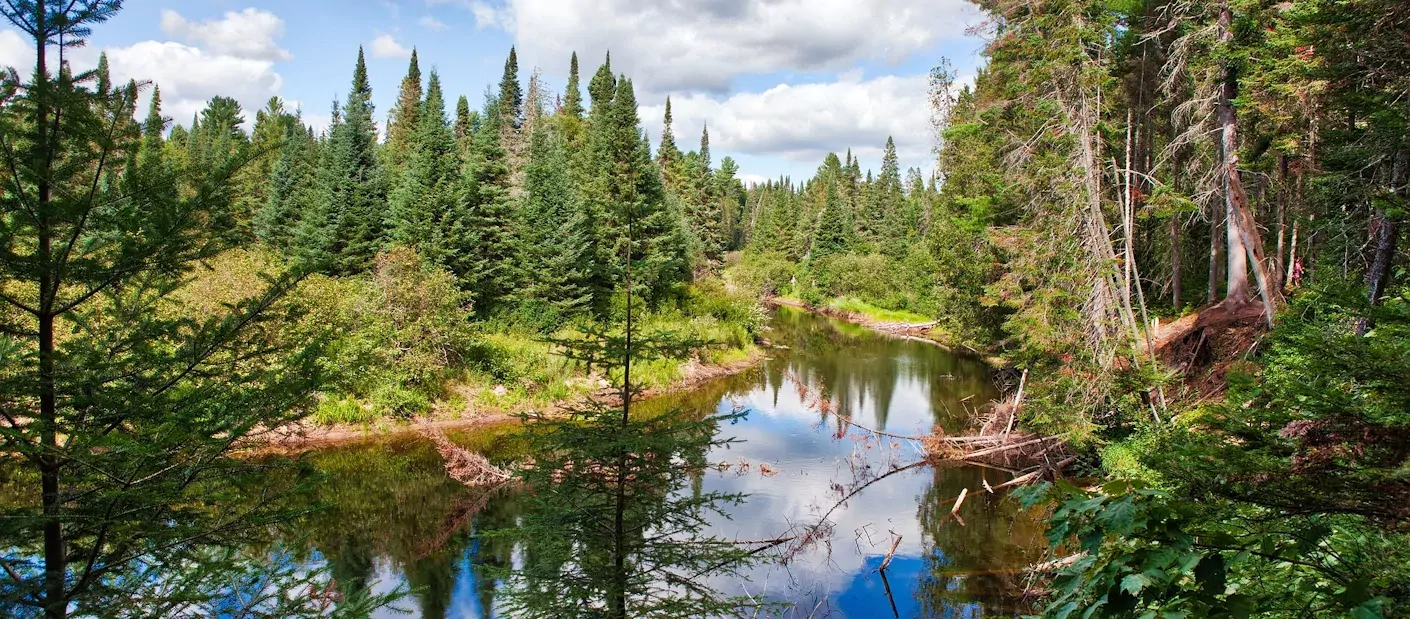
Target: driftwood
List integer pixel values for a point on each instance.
(895, 542)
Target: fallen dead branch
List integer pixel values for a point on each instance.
(465, 466)
(895, 543)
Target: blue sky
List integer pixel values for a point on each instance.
(780, 82)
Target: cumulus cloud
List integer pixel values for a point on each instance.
(385, 46)
(703, 45)
(189, 76)
(250, 33)
(233, 56)
(804, 122)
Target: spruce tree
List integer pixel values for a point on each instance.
(479, 241)
(403, 121)
(558, 238)
(832, 235)
(890, 225)
(511, 95)
(572, 95)
(345, 230)
(669, 155)
(637, 192)
(703, 205)
(293, 191)
(430, 186)
(153, 145)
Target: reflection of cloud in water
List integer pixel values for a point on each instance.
(390, 503)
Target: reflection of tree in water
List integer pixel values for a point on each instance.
(983, 559)
(862, 370)
(392, 500)
(615, 524)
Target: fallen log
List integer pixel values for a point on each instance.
(1003, 448)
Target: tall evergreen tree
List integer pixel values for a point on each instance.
(832, 235)
(403, 121)
(511, 95)
(345, 229)
(572, 95)
(480, 244)
(430, 187)
(293, 191)
(153, 128)
(559, 238)
(669, 155)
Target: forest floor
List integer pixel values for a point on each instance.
(308, 435)
(914, 329)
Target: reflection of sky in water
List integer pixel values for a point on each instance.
(941, 569)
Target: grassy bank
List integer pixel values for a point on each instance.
(399, 342)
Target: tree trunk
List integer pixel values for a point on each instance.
(1245, 244)
(1216, 252)
(1386, 232)
(1175, 270)
(50, 462)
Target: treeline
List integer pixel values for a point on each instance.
(524, 200)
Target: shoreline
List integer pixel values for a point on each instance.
(308, 437)
(920, 332)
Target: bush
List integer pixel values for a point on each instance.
(765, 274)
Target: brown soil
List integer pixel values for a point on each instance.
(1203, 345)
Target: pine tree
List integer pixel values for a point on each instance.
(153, 146)
(403, 121)
(345, 230)
(703, 203)
(891, 229)
(293, 191)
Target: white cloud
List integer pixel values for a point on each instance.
(431, 23)
(384, 46)
(703, 45)
(250, 33)
(487, 16)
(189, 76)
(232, 57)
(804, 122)
(16, 51)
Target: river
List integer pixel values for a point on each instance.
(392, 517)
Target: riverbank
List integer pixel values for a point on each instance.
(308, 435)
(923, 331)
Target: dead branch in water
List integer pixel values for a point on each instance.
(895, 543)
(465, 466)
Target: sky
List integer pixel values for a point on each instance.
(780, 83)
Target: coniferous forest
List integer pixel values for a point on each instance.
(1181, 223)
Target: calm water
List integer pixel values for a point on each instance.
(393, 517)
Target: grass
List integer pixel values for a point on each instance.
(857, 306)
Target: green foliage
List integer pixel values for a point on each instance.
(1146, 553)
(343, 231)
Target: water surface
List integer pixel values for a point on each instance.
(393, 517)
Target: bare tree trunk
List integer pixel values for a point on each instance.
(1386, 232)
(1216, 252)
(1175, 266)
(1245, 244)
